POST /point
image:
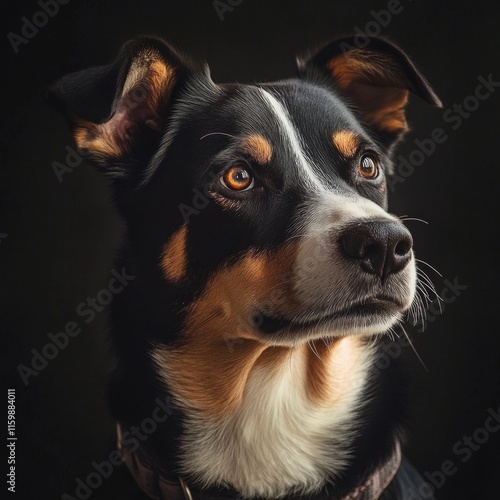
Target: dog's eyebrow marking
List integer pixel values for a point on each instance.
(173, 257)
(259, 148)
(293, 138)
(346, 142)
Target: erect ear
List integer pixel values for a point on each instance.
(376, 76)
(117, 111)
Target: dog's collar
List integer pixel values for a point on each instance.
(155, 483)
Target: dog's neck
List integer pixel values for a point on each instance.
(211, 376)
(267, 419)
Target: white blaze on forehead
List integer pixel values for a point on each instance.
(291, 135)
(333, 208)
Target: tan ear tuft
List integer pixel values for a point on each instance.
(373, 83)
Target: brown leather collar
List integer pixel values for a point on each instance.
(156, 485)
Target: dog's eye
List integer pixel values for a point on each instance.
(237, 178)
(368, 167)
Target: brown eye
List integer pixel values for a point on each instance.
(368, 167)
(237, 178)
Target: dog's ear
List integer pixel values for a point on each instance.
(117, 112)
(376, 77)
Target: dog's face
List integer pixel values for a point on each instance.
(262, 207)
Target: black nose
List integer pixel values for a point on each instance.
(382, 247)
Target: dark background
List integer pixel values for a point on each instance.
(57, 238)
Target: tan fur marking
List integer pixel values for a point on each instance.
(387, 111)
(147, 87)
(258, 148)
(210, 372)
(346, 69)
(376, 87)
(173, 260)
(96, 138)
(160, 79)
(330, 368)
(346, 142)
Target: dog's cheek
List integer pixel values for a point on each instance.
(219, 341)
(258, 280)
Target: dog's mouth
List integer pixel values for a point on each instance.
(373, 315)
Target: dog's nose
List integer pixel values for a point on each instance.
(382, 247)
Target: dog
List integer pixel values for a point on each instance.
(266, 267)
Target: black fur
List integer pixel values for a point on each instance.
(157, 189)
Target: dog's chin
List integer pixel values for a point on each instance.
(367, 318)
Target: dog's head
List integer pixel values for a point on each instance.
(261, 207)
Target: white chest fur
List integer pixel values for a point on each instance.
(279, 440)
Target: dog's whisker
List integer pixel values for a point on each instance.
(424, 277)
(438, 297)
(433, 291)
(423, 296)
(428, 265)
(406, 219)
(210, 318)
(412, 313)
(421, 287)
(328, 341)
(417, 309)
(217, 133)
(421, 306)
(422, 273)
(390, 333)
(313, 349)
(413, 349)
(425, 289)
(426, 281)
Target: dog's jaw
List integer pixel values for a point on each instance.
(292, 427)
